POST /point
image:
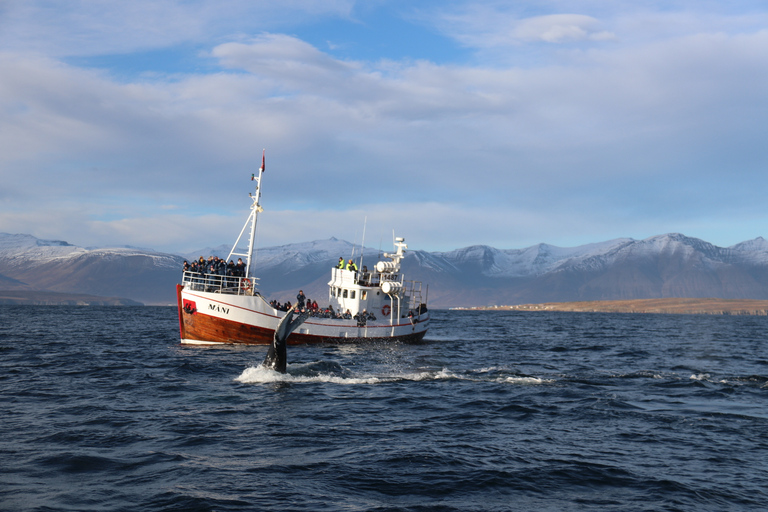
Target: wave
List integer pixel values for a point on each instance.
(683, 378)
(262, 375)
(528, 380)
(334, 373)
(325, 372)
(328, 372)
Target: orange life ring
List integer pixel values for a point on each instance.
(245, 284)
(385, 309)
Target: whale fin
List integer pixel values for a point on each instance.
(276, 355)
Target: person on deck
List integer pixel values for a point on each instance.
(219, 266)
(351, 266)
(341, 262)
(300, 298)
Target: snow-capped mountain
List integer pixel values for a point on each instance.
(299, 254)
(671, 265)
(531, 261)
(138, 274)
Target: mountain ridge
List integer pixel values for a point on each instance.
(669, 265)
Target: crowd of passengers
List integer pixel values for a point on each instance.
(305, 304)
(219, 266)
(216, 266)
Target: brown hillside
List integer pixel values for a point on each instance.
(668, 306)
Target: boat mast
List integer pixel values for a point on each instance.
(252, 218)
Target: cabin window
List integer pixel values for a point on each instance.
(345, 294)
(352, 294)
(365, 294)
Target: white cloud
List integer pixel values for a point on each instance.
(505, 33)
(618, 136)
(93, 27)
(278, 53)
(105, 27)
(558, 28)
(489, 26)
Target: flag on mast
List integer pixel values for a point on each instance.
(261, 169)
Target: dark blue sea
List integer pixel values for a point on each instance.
(101, 409)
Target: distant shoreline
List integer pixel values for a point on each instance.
(708, 306)
(46, 298)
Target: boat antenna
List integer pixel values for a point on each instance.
(252, 218)
(354, 245)
(362, 245)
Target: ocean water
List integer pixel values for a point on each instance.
(102, 409)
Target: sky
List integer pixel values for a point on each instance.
(450, 123)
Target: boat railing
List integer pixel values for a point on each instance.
(344, 277)
(215, 283)
(368, 278)
(412, 289)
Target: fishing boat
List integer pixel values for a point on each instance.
(223, 307)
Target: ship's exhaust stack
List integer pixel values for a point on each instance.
(276, 355)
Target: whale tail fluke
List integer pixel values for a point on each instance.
(276, 355)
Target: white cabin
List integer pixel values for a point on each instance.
(382, 292)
